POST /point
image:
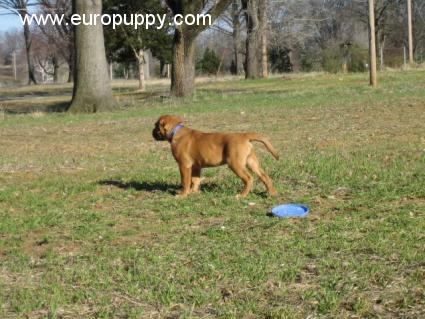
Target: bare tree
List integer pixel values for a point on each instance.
(236, 34)
(20, 7)
(419, 30)
(230, 24)
(262, 12)
(127, 40)
(60, 36)
(92, 87)
(293, 25)
(384, 12)
(183, 66)
(12, 49)
(252, 68)
(256, 59)
(45, 57)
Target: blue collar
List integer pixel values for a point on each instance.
(174, 132)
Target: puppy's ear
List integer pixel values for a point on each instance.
(166, 126)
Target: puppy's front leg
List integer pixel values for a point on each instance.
(196, 179)
(186, 177)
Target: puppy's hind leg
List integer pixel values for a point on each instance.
(239, 169)
(254, 165)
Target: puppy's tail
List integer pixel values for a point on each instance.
(260, 138)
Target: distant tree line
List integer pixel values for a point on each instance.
(249, 37)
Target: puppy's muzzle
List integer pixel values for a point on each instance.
(156, 134)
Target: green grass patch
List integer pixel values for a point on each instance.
(90, 226)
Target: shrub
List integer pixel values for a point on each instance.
(209, 63)
(310, 62)
(332, 60)
(280, 60)
(356, 61)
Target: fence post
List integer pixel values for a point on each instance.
(372, 46)
(15, 73)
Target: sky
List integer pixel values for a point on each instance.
(9, 22)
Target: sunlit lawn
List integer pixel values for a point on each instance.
(90, 227)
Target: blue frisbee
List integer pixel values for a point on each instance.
(290, 210)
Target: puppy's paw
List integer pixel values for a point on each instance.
(181, 196)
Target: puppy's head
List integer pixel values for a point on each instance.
(164, 126)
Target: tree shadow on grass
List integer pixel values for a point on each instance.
(154, 186)
(50, 108)
(244, 91)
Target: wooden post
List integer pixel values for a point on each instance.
(264, 56)
(404, 56)
(381, 53)
(410, 29)
(141, 61)
(147, 65)
(372, 45)
(381, 57)
(15, 73)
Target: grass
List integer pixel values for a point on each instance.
(89, 225)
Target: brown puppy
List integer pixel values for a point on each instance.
(194, 150)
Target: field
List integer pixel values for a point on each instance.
(90, 226)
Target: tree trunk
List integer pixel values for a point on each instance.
(183, 69)
(70, 61)
(147, 65)
(161, 69)
(252, 39)
(92, 87)
(345, 67)
(381, 53)
(70, 73)
(264, 56)
(28, 42)
(263, 35)
(183, 66)
(236, 35)
(141, 66)
(55, 69)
